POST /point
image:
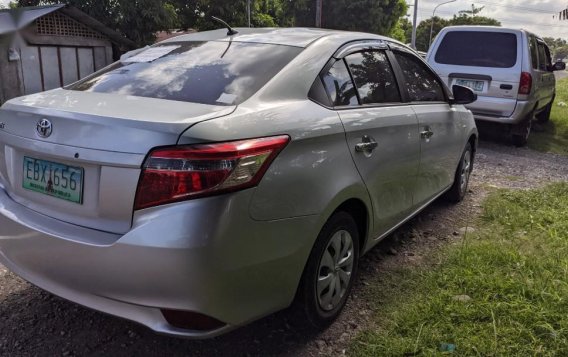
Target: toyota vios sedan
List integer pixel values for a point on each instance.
(213, 179)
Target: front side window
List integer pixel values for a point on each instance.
(544, 58)
(373, 77)
(339, 86)
(422, 84)
(216, 73)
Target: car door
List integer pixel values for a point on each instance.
(440, 127)
(381, 131)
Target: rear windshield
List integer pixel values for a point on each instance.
(478, 49)
(217, 73)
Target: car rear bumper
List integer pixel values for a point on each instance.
(195, 256)
(522, 109)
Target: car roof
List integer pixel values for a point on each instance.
(290, 36)
(481, 28)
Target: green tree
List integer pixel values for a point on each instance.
(474, 11)
(475, 20)
(464, 18)
(379, 17)
(402, 31)
(561, 53)
(557, 46)
(375, 16)
(423, 31)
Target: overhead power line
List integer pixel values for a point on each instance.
(429, 12)
(516, 7)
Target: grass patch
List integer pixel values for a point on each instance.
(502, 292)
(553, 136)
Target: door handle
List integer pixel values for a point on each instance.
(427, 134)
(368, 144)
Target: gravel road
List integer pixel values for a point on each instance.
(561, 74)
(35, 323)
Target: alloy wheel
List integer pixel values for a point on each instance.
(465, 171)
(335, 270)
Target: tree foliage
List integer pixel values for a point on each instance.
(375, 16)
(139, 20)
(423, 29)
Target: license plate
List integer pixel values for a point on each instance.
(54, 179)
(474, 85)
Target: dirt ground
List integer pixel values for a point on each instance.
(35, 323)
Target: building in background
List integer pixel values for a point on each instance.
(47, 47)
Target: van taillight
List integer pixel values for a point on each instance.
(179, 173)
(525, 84)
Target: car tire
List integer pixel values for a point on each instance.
(544, 116)
(461, 180)
(521, 133)
(330, 271)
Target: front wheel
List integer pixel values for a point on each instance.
(461, 180)
(330, 271)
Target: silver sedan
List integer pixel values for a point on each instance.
(215, 178)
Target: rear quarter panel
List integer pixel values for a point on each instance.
(313, 175)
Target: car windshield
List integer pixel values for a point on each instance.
(478, 49)
(217, 73)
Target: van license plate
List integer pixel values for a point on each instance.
(474, 85)
(54, 179)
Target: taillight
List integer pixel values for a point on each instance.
(179, 173)
(525, 84)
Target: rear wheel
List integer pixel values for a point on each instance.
(331, 270)
(521, 133)
(461, 180)
(544, 116)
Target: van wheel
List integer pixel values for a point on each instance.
(544, 116)
(330, 272)
(461, 180)
(521, 133)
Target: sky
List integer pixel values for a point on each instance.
(533, 15)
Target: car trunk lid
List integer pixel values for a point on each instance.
(97, 143)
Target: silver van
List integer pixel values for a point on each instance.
(509, 69)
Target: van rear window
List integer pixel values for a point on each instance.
(478, 49)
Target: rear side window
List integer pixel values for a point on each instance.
(339, 86)
(478, 49)
(373, 77)
(534, 52)
(217, 73)
(541, 57)
(422, 84)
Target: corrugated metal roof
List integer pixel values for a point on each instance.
(6, 23)
(16, 19)
(23, 16)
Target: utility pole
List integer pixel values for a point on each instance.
(319, 6)
(432, 22)
(414, 24)
(248, 12)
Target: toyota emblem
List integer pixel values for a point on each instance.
(44, 128)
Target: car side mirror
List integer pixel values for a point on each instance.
(463, 95)
(559, 66)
